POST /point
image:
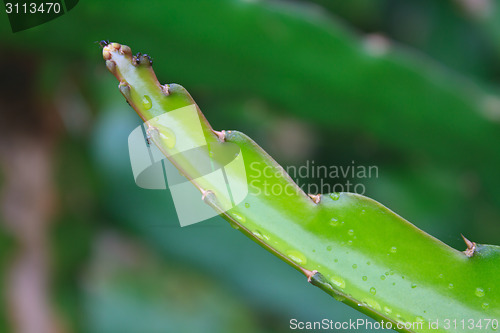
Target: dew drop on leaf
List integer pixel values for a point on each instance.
(479, 292)
(297, 256)
(335, 196)
(146, 102)
(338, 281)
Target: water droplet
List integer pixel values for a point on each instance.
(450, 286)
(364, 278)
(382, 277)
(372, 304)
(350, 232)
(296, 256)
(335, 196)
(260, 235)
(166, 134)
(335, 260)
(419, 319)
(349, 242)
(413, 285)
(362, 212)
(387, 273)
(479, 292)
(339, 298)
(368, 263)
(234, 225)
(440, 276)
(394, 249)
(334, 222)
(328, 248)
(247, 205)
(146, 102)
(354, 266)
(238, 217)
(485, 306)
(387, 310)
(373, 291)
(338, 281)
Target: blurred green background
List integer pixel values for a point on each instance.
(408, 86)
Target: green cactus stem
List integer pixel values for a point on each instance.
(352, 247)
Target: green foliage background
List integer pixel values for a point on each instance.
(408, 86)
